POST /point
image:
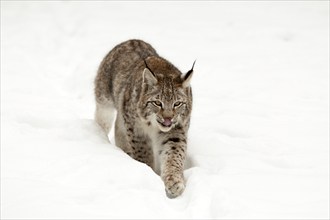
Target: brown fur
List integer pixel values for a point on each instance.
(153, 101)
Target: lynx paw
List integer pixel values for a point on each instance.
(174, 186)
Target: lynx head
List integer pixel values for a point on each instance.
(166, 95)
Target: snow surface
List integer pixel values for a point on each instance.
(259, 138)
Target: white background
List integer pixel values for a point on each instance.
(259, 138)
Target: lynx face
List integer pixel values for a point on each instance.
(166, 113)
(167, 101)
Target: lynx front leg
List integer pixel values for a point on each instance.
(137, 147)
(141, 149)
(172, 162)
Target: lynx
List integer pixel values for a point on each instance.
(153, 100)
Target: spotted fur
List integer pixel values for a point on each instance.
(153, 100)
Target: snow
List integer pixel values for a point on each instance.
(259, 138)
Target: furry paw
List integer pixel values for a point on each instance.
(174, 185)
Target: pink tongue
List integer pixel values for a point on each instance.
(167, 122)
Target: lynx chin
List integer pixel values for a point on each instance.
(153, 100)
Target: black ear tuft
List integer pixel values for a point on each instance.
(187, 76)
(149, 77)
(145, 62)
(190, 71)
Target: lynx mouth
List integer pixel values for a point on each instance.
(164, 128)
(166, 124)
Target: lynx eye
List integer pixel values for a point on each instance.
(157, 103)
(177, 104)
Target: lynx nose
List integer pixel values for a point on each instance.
(167, 122)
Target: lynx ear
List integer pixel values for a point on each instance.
(187, 77)
(149, 77)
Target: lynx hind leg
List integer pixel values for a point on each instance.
(121, 136)
(104, 115)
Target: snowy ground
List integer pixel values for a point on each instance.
(258, 143)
